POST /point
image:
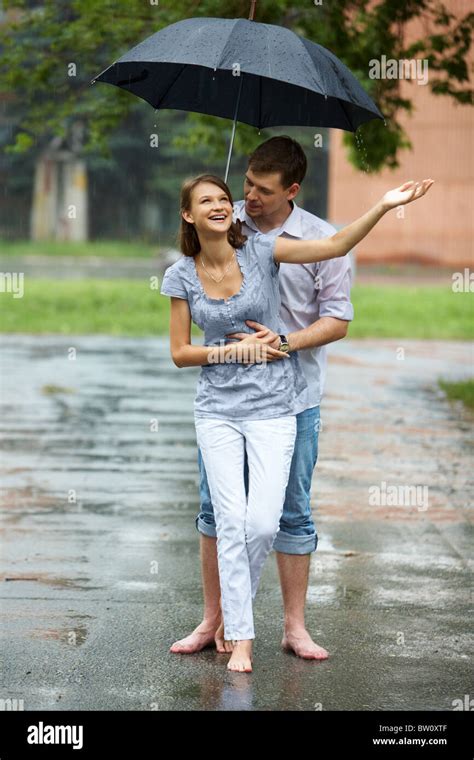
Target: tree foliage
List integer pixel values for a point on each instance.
(50, 51)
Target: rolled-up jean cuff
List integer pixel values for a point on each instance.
(288, 544)
(205, 528)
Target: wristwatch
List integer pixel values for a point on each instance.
(284, 345)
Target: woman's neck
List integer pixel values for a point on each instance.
(216, 249)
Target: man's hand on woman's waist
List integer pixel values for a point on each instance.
(321, 332)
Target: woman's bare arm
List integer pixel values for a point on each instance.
(309, 251)
(184, 354)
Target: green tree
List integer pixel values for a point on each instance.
(50, 51)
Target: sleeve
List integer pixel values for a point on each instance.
(333, 283)
(264, 247)
(172, 284)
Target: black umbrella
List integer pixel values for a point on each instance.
(260, 74)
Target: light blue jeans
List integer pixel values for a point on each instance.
(297, 533)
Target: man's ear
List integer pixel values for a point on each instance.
(293, 191)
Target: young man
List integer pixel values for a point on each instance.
(316, 308)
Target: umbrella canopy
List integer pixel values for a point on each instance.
(205, 64)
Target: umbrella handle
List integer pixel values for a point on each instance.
(229, 155)
(252, 9)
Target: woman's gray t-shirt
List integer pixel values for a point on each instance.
(234, 390)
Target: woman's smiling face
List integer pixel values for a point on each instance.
(211, 209)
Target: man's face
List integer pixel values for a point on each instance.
(265, 195)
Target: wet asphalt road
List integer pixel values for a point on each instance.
(100, 566)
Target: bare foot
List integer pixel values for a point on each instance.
(301, 643)
(201, 637)
(241, 659)
(222, 645)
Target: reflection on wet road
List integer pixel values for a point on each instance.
(100, 555)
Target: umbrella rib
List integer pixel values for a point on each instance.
(221, 55)
(344, 111)
(347, 99)
(183, 66)
(340, 100)
(260, 87)
(268, 55)
(312, 64)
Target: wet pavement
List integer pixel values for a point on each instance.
(100, 563)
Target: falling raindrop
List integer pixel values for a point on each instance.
(362, 150)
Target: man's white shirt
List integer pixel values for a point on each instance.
(308, 291)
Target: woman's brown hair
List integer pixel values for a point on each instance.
(188, 237)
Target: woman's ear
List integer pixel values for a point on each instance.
(187, 217)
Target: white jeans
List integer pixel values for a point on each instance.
(245, 527)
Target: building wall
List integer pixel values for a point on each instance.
(439, 229)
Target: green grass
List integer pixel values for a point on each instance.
(71, 307)
(395, 311)
(130, 307)
(108, 248)
(462, 391)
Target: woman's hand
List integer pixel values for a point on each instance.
(406, 193)
(256, 347)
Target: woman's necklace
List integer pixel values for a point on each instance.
(227, 268)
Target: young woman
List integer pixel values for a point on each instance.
(245, 401)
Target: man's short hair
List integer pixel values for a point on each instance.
(280, 154)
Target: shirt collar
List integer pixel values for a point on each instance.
(291, 226)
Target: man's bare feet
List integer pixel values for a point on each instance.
(300, 642)
(241, 660)
(222, 645)
(201, 637)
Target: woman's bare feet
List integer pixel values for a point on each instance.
(201, 637)
(241, 660)
(301, 643)
(222, 645)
